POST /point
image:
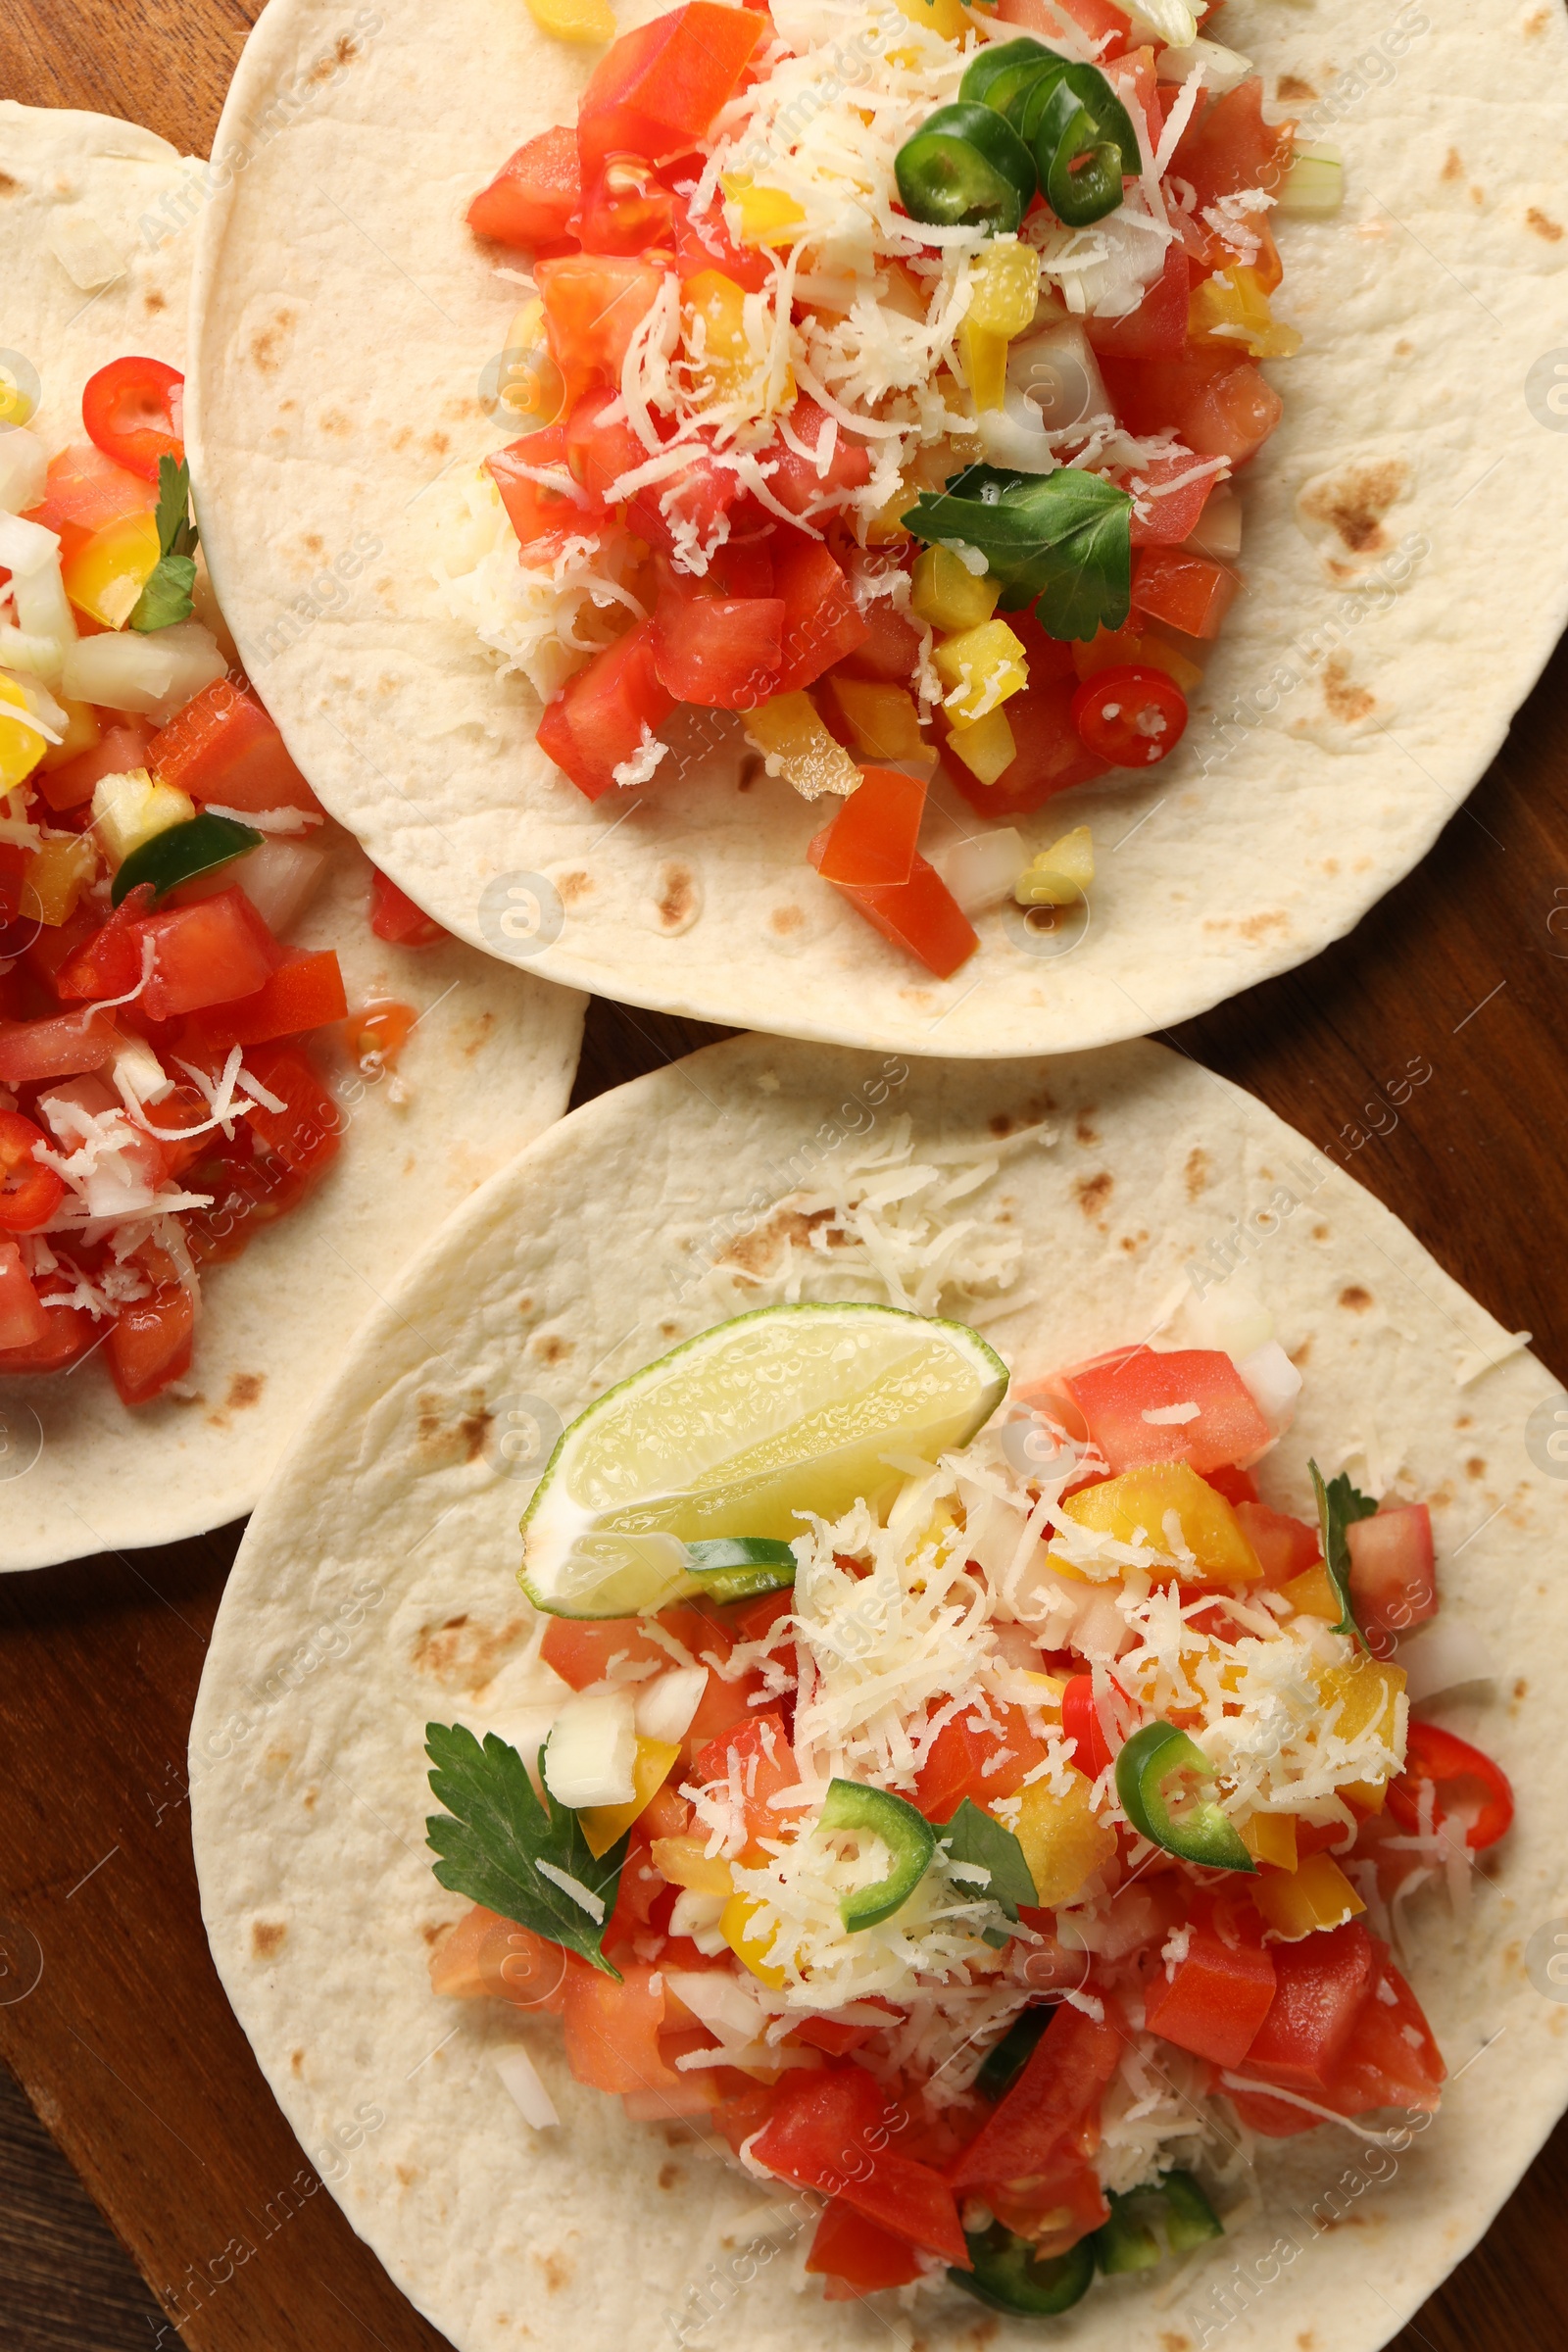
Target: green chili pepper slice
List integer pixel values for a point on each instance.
(739, 1567)
(908, 1836)
(1081, 118)
(183, 852)
(1340, 1505)
(1190, 2219)
(1003, 72)
(1124, 2242)
(1007, 2060)
(1203, 1833)
(1009, 2277)
(966, 167)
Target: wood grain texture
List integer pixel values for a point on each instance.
(126, 2046)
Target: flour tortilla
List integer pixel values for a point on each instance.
(490, 1065)
(1402, 551)
(376, 1589)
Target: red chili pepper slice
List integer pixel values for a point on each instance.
(1442, 1758)
(29, 1193)
(132, 409)
(1080, 1725)
(1132, 715)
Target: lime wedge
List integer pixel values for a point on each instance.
(738, 1432)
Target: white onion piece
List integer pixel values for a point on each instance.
(1222, 68)
(591, 1750)
(1443, 1657)
(23, 471)
(41, 605)
(128, 672)
(697, 1916)
(980, 872)
(1058, 375)
(1219, 526)
(27, 545)
(1168, 19)
(1232, 1319)
(1274, 1381)
(198, 661)
(664, 1707)
(520, 2078)
(1013, 436)
(279, 879)
(40, 658)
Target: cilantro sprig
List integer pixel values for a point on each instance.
(1338, 1505)
(977, 1838)
(166, 596)
(1059, 541)
(500, 1844)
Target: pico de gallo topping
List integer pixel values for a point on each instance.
(1041, 1841)
(159, 1101)
(885, 382)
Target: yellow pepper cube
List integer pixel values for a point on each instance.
(1004, 287)
(984, 364)
(1063, 1841)
(1230, 307)
(750, 1945)
(21, 747)
(1060, 875)
(1316, 1897)
(988, 748)
(1135, 1507)
(719, 348)
(574, 20)
(1154, 654)
(1271, 1838)
(949, 18)
(947, 595)
(128, 809)
(795, 744)
(981, 667)
(602, 1824)
(883, 719)
(54, 877)
(82, 733)
(684, 1862)
(767, 216)
(1368, 1695)
(105, 579)
(1312, 1595)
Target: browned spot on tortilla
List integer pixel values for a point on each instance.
(557, 2270)
(1000, 1123)
(344, 54)
(1536, 25)
(311, 1799)
(1355, 1298)
(668, 2175)
(1173, 2340)
(315, 544)
(463, 1654)
(1465, 1421)
(1454, 168)
(1345, 703)
(1084, 1128)
(1403, 348)
(264, 346)
(1544, 226)
(668, 1331)
(278, 1758)
(1292, 85)
(1478, 197)
(1520, 1687)
(1199, 1169)
(267, 1937)
(437, 444)
(478, 1034)
(474, 1428)
(550, 1346)
(152, 302)
(785, 919)
(1320, 1233)
(401, 438)
(334, 421)
(570, 888)
(1257, 926)
(296, 2062)
(680, 900)
(1474, 1467)
(244, 1389)
(1355, 502)
(1093, 1193)
(1306, 2342)
(754, 1252)
(436, 1931)
(1132, 1242)
(408, 2174)
(526, 1307)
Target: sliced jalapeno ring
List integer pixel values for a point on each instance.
(1010, 2277)
(1007, 2059)
(1082, 124)
(1028, 107)
(999, 58)
(966, 167)
(183, 852)
(1190, 2218)
(740, 1567)
(909, 1837)
(1202, 1832)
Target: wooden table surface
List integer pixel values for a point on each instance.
(124, 2045)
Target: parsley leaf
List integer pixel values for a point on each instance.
(166, 596)
(1059, 541)
(972, 1835)
(505, 1843)
(1338, 1505)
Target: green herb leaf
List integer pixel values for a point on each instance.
(166, 596)
(1338, 1505)
(1059, 541)
(972, 1835)
(502, 1832)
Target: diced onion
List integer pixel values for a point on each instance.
(1221, 68)
(23, 471)
(1058, 375)
(279, 879)
(25, 546)
(520, 2078)
(592, 1752)
(1169, 21)
(664, 1707)
(41, 605)
(1219, 526)
(1442, 1657)
(1274, 1381)
(981, 871)
(40, 658)
(128, 672)
(1233, 1318)
(1314, 185)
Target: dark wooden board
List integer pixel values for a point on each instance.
(126, 2046)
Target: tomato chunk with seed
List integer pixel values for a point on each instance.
(70, 1333)
(59, 1048)
(1115, 1392)
(594, 304)
(150, 1343)
(1186, 592)
(1392, 2058)
(1228, 147)
(1173, 514)
(30, 1191)
(720, 651)
(1215, 2000)
(757, 1755)
(305, 1133)
(656, 90)
(543, 516)
(306, 992)
(223, 747)
(797, 482)
(533, 196)
(833, 2130)
(598, 722)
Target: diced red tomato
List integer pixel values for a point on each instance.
(1098, 19)
(1081, 1726)
(797, 482)
(754, 1619)
(890, 648)
(150, 1343)
(486, 1955)
(1237, 1485)
(744, 2113)
(534, 195)
(857, 2256)
(1157, 328)
(306, 992)
(1132, 717)
(1322, 1985)
(223, 747)
(395, 917)
(1287, 1547)
(596, 725)
(84, 489)
(831, 2131)
(1174, 515)
(70, 1331)
(131, 409)
(1053, 2208)
(1231, 413)
(30, 1191)
(1216, 1999)
(708, 245)
(872, 838)
(720, 651)
(701, 495)
(13, 869)
(744, 567)
(625, 209)
(593, 303)
(1394, 1578)
(543, 517)
(1067, 2070)
(612, 2030)
(759, 1751)
(722, 1706)
(1052, 756)
(821, 619)
(60, 1047)
(305, 1133)
(204, 954)
(1452, 1766)
(1186, 592)
(580, 1649)
(109, 962)
(955, 1765)
(1114, 1392)
(24, 1319)
(656, 90)
(1392, 2058)
(122, 748)
(920, 915)
(825, 2034)
(1228, 146)
(601, 446)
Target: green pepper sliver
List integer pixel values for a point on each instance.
(740, 1567)
(1203, 1833)
(1190, 2219)
(1009, 2277)
(1004, 70)
(966, 167)
(183, 852)
(1081, 118)
(1006, 2061)
(908, 1836)
(1124, 2243)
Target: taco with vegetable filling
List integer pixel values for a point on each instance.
(995, 1772)
(204, 988)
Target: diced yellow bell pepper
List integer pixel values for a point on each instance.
(21, 747)
(1370, 1691)
(1005, 288)
(1367, 1797)
(574, 20)
(1063, 1840)
(1230, 307)
(1312, 1595)
(531, 387)
(1154, 654)
(1135, 1506)
(684, 1862)
(1271, 1838)
(1301, 1902)
(946, 17)
(15, 404)
(54, 877)
(988, 748)
(82, 733)
(105, 579)
(602, 1824)
(1060, 875)
(883, 719)
(749, 1947)
(947, 595)
(767, 216)
(795, 743)
(984, 364)
(128, 809)
(981, 667)
(728, 364)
